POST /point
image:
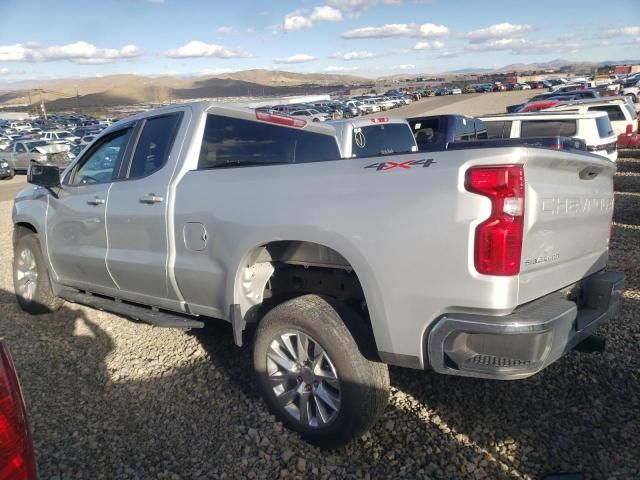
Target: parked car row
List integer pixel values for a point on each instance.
(55, 140)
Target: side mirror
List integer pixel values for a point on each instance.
(47, 176)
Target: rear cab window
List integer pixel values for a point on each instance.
(233, 142)
(426, 132)
(465, 130)
(382, 139)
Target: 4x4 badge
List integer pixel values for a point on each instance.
(425, 162)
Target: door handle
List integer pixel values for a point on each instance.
(96, 201)
(151, 198)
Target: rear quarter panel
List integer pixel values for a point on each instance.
(406, 232)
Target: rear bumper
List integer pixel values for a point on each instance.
(524, 342)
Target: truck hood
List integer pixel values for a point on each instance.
(55, 148)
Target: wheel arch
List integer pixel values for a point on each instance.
(261, 262)
(22, 228)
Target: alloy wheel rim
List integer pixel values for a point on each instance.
(26, 274)
(304, 379)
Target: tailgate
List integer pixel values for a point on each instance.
(568, 210)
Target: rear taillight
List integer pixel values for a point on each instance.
(498, 240)
(280, 119)
(17, 461)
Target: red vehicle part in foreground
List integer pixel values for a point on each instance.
(539, 105)
(17, 461)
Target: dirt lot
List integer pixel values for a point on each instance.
(110, 398)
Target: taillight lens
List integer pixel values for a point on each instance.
(17, 461)
(498, 240)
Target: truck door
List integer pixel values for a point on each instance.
(137, 212)
(21, 156)
(76, 235)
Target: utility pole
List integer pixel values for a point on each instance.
(44, 109)
(77, 99)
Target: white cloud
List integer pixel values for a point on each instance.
(78, 52)
(300, 19)
(14, 53)
(523, 46)
(398, 30)
(224, 29)
(499, 30)
(355, 55)
(630, 31)
(326, 13)
(4, 71)
(196, 49)
(338, 69)
(298, 58)
(296, 22)
(159, 2)
(356, 7)
(436, 45)
(448, 55)
(406, 66)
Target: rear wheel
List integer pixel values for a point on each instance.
(31, 278)
(312, 374)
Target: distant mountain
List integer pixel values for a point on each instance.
(463, 71)
(280, 77)
(129, 89)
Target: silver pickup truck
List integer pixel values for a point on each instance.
(340, 247)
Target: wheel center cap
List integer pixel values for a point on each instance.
(307, 375)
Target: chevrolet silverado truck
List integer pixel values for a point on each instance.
(339, 247)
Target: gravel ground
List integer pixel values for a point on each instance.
(110, 398)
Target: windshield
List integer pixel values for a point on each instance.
(383, 139)
(40, 143)
(64, 135)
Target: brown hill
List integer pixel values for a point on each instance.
(130, 89)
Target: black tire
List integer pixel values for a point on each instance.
(43, 300)
(363, 383)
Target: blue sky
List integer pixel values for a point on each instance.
(69, 38)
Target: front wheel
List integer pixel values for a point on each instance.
(313, 375)
(31, 278)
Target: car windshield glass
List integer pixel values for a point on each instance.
(382, 139)
(614, 111)
(36, 144)
(604, 126)
(63, 135)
